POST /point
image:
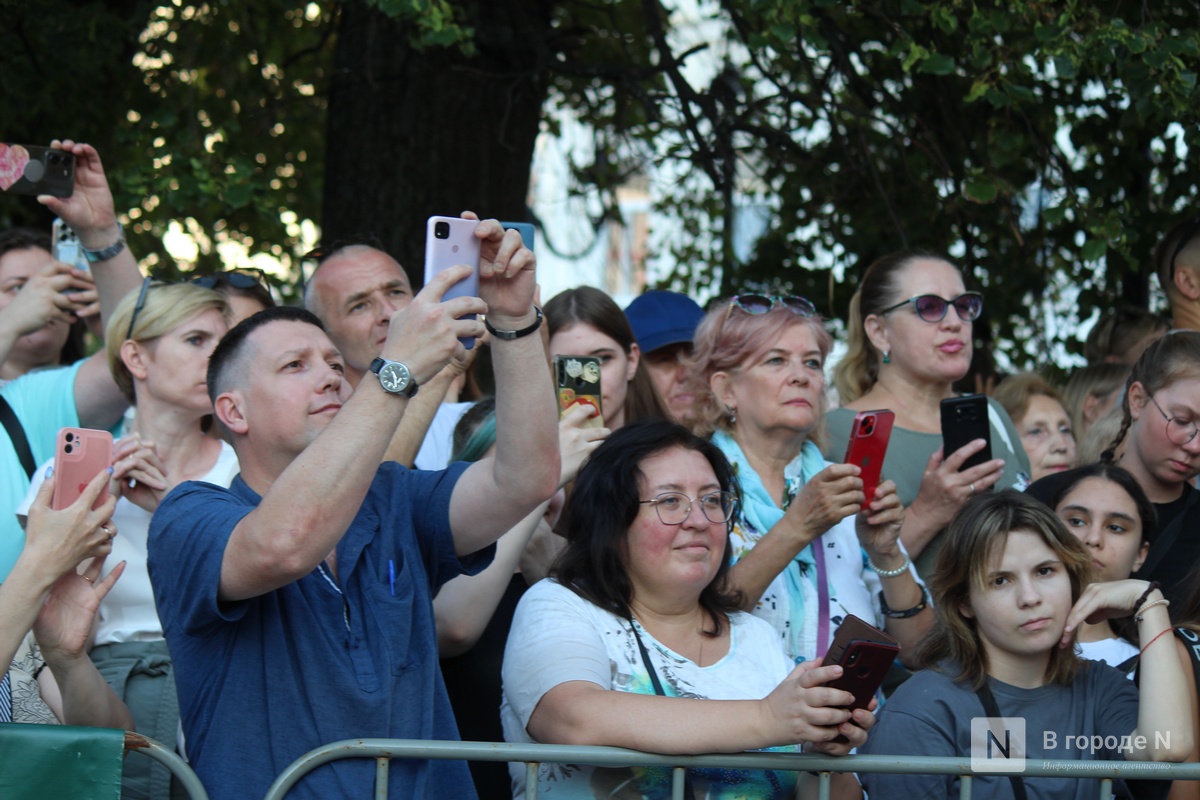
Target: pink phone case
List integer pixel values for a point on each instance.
(450, 241)
(79, 455)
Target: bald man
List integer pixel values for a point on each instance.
(355, 291)
(1177, 259)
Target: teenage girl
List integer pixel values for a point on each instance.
(1010, 589)
(1162, 451)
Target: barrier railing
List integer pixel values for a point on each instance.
(151, 748)
(383, 750)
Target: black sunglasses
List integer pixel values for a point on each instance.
(240, 278)
(931, 308)
(141, 303)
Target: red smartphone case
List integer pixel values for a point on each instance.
(868, 445)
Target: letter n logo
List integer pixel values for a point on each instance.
(998, 744)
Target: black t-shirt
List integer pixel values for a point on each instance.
(1171, 568)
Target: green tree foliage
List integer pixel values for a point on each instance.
(1043, 144)
(1034, 141)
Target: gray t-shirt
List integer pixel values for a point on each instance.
(930, 715)
(909, 451)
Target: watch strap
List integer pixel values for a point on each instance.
(104, 254)
(508, 336)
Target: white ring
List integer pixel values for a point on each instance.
(972, 488)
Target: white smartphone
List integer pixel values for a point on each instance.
(67, 248)
(450, 241)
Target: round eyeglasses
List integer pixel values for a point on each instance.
(762, 303)
(675, 507)
(931, 308)
(1179, 430)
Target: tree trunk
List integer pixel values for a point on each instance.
(413, 133)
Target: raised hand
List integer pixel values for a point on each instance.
(138, 473)
(507, 275)
(879, 523)
(830, 496)
(46, 298)
(64, 622)
(89, 210)
(59, 540)
(944, 489)
(576, 440)
(424, 335)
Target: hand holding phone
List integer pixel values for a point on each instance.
(450, 241)
(867, 447)
(31, 170)
(577, 379)
(965, 419)
(865, 655)
(80, 454)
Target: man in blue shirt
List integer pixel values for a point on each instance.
(298, 603)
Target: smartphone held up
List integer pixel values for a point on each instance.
(868, 445)
(450, 241)
(31, 170)
(80, 454)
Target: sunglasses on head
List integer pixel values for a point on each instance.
(762, 304)
(931, 308)
(241, 278)
(141, 303)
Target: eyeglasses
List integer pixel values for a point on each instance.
(675, 507)
(1179, 430)
(240, 278)
(141, 303)
(1188, 233)
(931, 308)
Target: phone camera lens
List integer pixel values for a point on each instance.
(853, 658)
(68, 448)
(70, 437)
(441, 230)
(54, 158)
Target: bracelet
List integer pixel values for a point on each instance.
(1155, 639)
(890, 573)
(908, 612)
(508, 336)
(1162, 601)
(1153, 585)
(104, 254)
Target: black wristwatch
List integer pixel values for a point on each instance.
(394, 377)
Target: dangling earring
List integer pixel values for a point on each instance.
(732, 412)
(887, 356)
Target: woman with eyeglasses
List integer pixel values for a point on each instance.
(910, 339)
(803, 525)
(158, 343)
(635, 641)
(1162, 451)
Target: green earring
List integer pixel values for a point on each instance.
(887, 356)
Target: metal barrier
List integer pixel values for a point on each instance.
(151, 748)
(383, 750)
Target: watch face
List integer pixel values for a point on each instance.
(394, 377)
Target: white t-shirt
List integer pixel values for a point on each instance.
(1114, 651)
(557, 637)
(127, 613)
(435, 449)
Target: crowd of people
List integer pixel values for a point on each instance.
(336, 522)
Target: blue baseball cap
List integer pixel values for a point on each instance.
(660, 318)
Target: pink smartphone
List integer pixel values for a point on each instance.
(868, 446)
(79, 455)
(450, 241)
